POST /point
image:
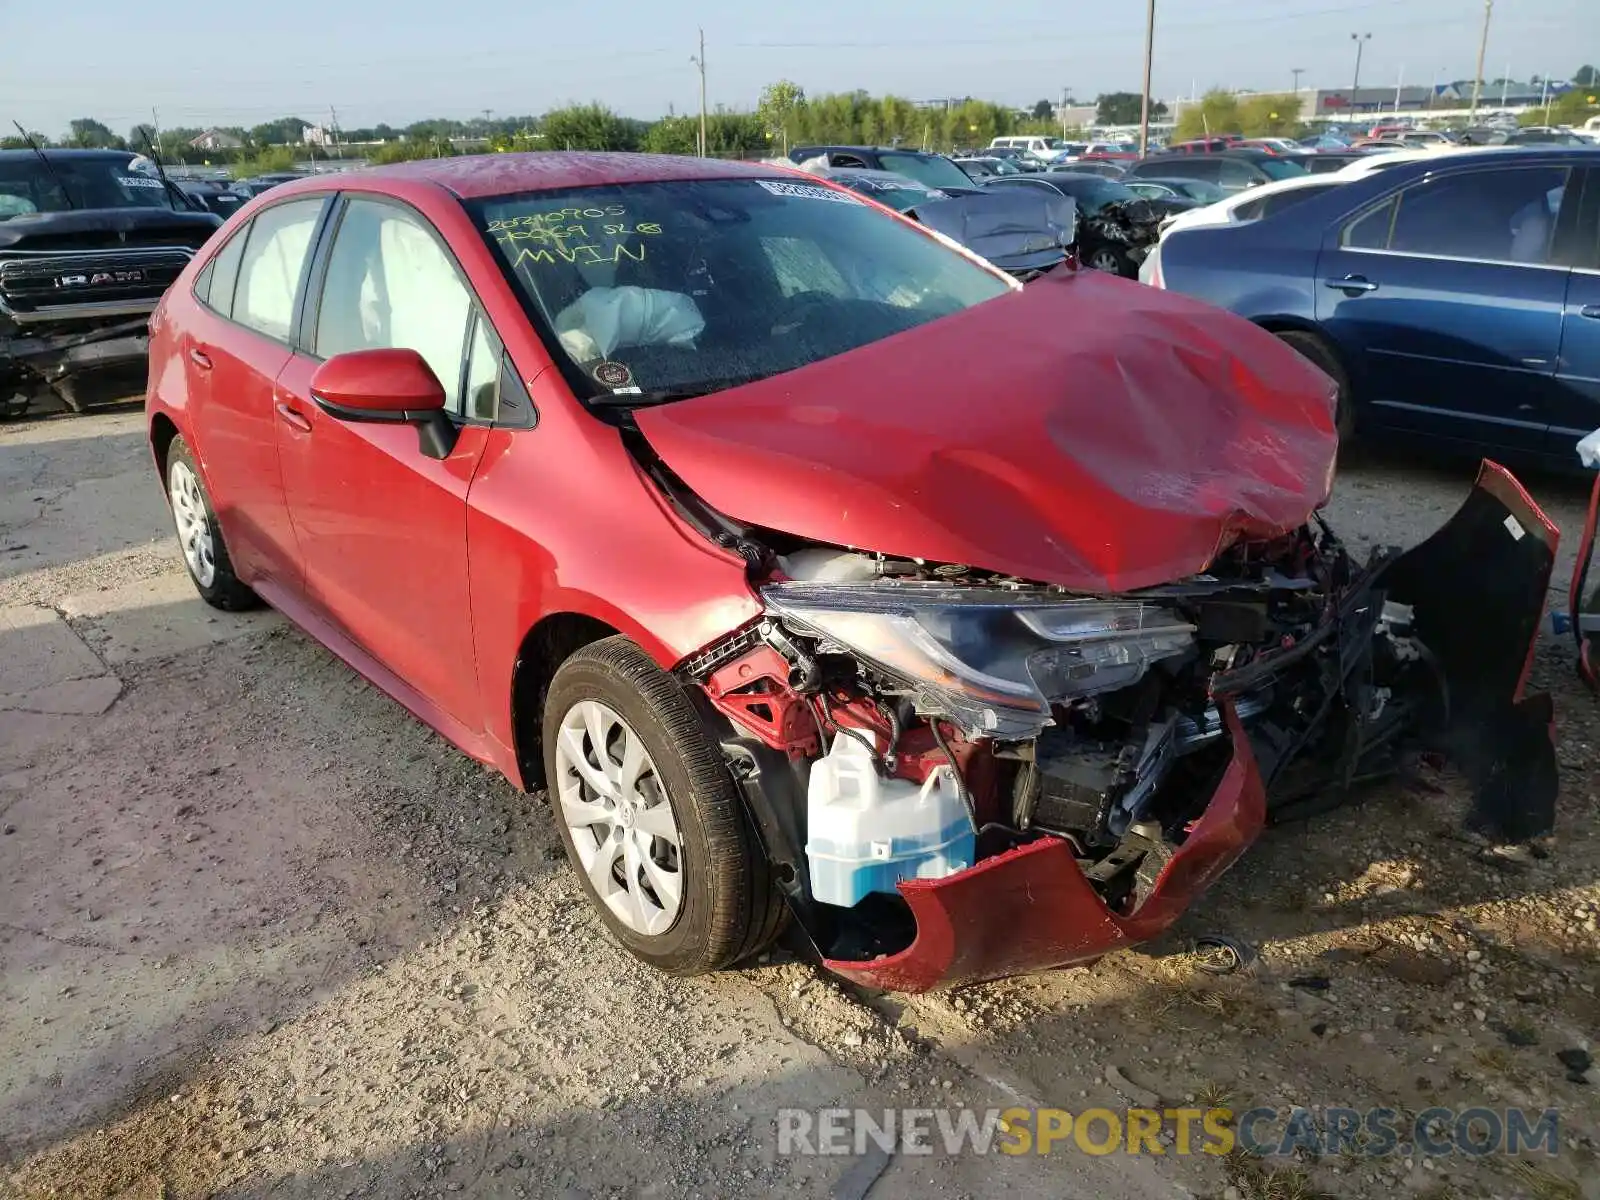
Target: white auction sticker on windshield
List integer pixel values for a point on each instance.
(807, 191)
(138, 181)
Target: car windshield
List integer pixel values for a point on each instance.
(930, 169)
(655, 291)
(1278, 168)
(27, 185)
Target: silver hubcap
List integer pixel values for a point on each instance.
(194, 526)
(616, 810)
(1104, 261)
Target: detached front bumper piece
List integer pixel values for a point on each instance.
(1032, 908)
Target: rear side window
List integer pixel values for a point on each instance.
(1236, 175)
(273, 261)
(1506, 215)
(1281, 200)
(221, 274)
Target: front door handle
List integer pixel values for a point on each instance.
(1351, 284)
(293, 418)
(200, 359)
(1592, 311)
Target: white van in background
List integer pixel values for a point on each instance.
(1042, 149)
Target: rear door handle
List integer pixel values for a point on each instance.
(1592, 311)
(293, 418)
(200, 359)
(1351, 284)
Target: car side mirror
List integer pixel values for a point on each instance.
(395, 387)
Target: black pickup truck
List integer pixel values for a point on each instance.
(89, 239)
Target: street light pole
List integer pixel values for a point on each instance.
(699, 60)
(1297, 72)
(1477, 78)
(1360, 39)
(1144, 96)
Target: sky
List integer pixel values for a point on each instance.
(205, 62)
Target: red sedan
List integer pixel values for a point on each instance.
(685, 490)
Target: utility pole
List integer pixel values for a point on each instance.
(1144, 96)
(1477, 78)
(1399, 80)
(1065, 92)
(333, 132)
(699, 60)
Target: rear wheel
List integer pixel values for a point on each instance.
(650, 816)
(1316, 351)
(205, 554)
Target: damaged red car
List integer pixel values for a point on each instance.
(685, 491)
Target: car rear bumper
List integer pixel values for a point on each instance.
(1032, 908)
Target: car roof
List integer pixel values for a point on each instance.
(871, 173)
(474, 176)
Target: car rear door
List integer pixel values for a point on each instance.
(237, 343)
(382, 526)
(1575, 403)
(1447, 300)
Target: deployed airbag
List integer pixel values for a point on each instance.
(606, 319)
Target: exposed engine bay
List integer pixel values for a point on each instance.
(877, 696)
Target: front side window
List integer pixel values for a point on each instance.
(1505, 215)
(270, 269)
(693, 286)
(390, 285)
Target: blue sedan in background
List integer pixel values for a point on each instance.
(1453, 298)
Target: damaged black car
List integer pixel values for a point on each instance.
(89, 240)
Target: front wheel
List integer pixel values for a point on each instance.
(650, 816)
(1112, 262)
(1320, 355)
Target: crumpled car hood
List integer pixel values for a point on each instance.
(1083, 431)
(1015, 230)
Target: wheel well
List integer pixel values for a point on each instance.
(545, 647)
(162, 431)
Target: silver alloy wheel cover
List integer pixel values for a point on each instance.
(610, 796)
(1105, 260)
(194, 525)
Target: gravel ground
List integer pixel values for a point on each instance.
(261, 934)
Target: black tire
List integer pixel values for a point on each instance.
(1315, 350)
(730, 906)
(225, 591)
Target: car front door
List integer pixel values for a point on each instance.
(1447, 299)
(1575, 406)
(382, 526)
(237, 343)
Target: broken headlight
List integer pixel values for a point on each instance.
(993, 661)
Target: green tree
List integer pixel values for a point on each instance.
(1217, 112)
(1570, 108)
(588, 127)
(1043, 110)
(1586, 76)
(18, 143)
(285, 131)
(777, 108)
(1122, 108)
(1268, 116)
(90, 134)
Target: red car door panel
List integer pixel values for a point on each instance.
(231, 374)
(382, 529)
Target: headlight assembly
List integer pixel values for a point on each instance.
(993, 661)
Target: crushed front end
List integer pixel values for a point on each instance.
(1105, 758)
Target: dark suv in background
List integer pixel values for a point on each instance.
(89, 240)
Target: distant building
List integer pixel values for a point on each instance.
(1493, 93)
(216, 139)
